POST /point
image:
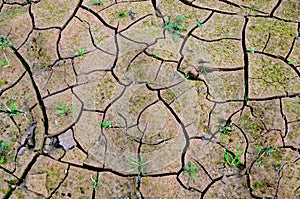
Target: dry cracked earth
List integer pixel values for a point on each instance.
(150, 99)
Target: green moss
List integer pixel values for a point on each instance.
(13, 13)
(257, 185)
(169, 95)
(19, 195)
(12, 182)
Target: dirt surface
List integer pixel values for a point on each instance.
(150, 99)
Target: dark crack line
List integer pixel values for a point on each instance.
(186, 2)
(159, 58)
(179, 121)
(285, 122)
(268, 39)
(209, 185)
(98, 17)
(241, 6)
(291, 49)
(93, 42)
(249, 183)
(273, 17)
(246, 63)
(73, 14)
(78, 145)
(186, 39)
(247, 144)
(132, 40)
(60, 183)
(13, 84)
(206, 172)
(103, 119)
(142, 111)
(35, 87)
(100, 169)
(22, 177)
(135, 22)
(116, 2)
(287, 95)
(74, 122)
(92, 38)
(275, 8)
(215, 40)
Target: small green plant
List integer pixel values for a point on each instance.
(137, 164)
(4, 43)
(189, 170)
(63, 110)
(291, 61)
(226, 128)
(176, 28)
(258, 163)
(180, 18)
(106, 125)
(257, 185)
(122, 14)
(163, 139)
(251, 50)
(96, 2)
(155, 54)
(3, 152)
(80, 53)
(277, 165)
(199, 24)
(232, 160)
(261, 151)
(6, 62)
(12, 110)
(96, 181)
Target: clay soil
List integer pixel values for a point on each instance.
(144, 99)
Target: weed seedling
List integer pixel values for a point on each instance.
(261, 151)
(189, 170)
(199, 24)
(291, 61)
(96, 181)
(258, 163)
(63, 110)
(106, 125)
(155, 54)
(80, 53)
(4, 43)
(226, 128)
(96, 2)
(163, 139)
(180, 18)
(137, 164)
(6, 62)
(122, 14)
(12, 110)
(232, 160)
(3, 152)
(251, 50)
(176, 28)
(277, 165)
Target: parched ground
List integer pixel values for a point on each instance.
(150, 99)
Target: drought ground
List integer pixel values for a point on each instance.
(150, 99)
